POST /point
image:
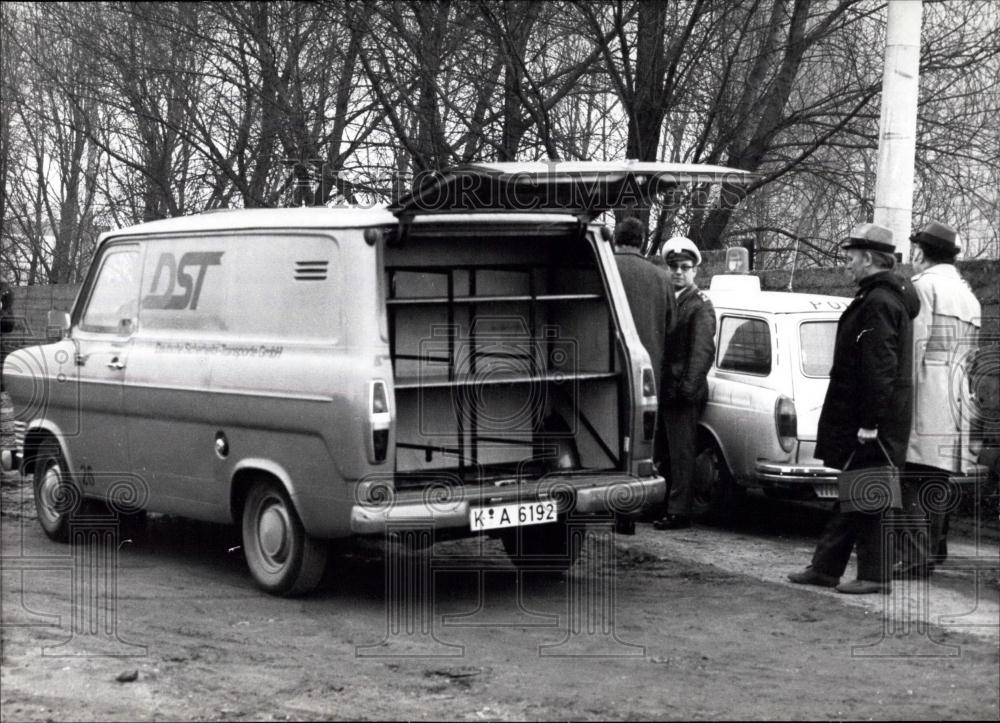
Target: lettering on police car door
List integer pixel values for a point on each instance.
(177, 275)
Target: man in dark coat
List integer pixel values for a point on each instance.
(687, 357)
(868, 404)
(648, 290)
(651, 301)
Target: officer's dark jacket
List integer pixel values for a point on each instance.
(871, 379)
(690, 349)
(651, 299)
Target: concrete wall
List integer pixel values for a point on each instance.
(32, 304)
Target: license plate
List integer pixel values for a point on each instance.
(516, 515)
(826, 491)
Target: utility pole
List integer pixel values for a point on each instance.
(898, 121)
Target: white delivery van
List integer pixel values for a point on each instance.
(463, 360)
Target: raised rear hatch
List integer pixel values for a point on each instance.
(584, 189)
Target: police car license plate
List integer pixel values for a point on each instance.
(516, 515)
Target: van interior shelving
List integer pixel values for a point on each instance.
(501, 370)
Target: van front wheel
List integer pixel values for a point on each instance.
(57, 498)
(283, 559)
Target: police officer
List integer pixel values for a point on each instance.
(945, 337)
(687, 356)
(868, 405)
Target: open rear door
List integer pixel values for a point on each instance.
(584, 189)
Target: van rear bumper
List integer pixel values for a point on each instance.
(582, 495)
(823, 480)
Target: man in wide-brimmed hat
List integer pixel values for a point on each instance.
(866, 413)
(945, 340)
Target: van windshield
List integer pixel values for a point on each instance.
(816, 340)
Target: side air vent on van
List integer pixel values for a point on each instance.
(311, 270)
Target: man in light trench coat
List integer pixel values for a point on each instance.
(945, 339)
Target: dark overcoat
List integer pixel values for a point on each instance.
(871, 379)
(651, 300)
(690, 349)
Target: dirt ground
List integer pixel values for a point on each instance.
(690, 624)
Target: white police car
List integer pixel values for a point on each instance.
(774, 351)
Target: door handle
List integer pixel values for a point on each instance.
(116, 363)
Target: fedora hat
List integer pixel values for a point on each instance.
(937, 236)
(870, 236)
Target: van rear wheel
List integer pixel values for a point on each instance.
(551, 547)
(283, 559)
(57, 498)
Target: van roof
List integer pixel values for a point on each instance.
(778, 302)
(314, 217)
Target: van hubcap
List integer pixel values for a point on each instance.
(272, 531)
(50, 494)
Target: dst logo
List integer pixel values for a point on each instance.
(176, 275)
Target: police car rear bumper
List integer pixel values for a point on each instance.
(823, 480)
(450, 508)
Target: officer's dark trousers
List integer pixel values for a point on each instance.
(679, 421)
(927, 495)
(843, 532)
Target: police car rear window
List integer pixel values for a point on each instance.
(744, 345)
(816, 340)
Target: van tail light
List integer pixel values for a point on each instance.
(648, 383)
(648, 424)
(379, 403)
(379, 421)
(786, 423)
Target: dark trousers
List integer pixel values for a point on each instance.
(927, 495)
(679, 421)
(844, 532)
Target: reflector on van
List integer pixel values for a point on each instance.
(584, 189)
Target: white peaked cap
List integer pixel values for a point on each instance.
(681, 245)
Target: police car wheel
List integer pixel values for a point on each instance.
(549, 547)
(57, 498)
(282, 558)
(713, 493)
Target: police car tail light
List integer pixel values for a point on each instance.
(786, 422)
(379, 421)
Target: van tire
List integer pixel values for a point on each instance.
(550, 547)
(282, 558)
(57, 498)
(714, 493)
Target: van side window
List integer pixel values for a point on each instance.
(744, 345)
(114, 297)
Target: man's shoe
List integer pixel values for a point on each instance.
(672, 522)
(811, 577)
(863, 587)
(902, 571)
